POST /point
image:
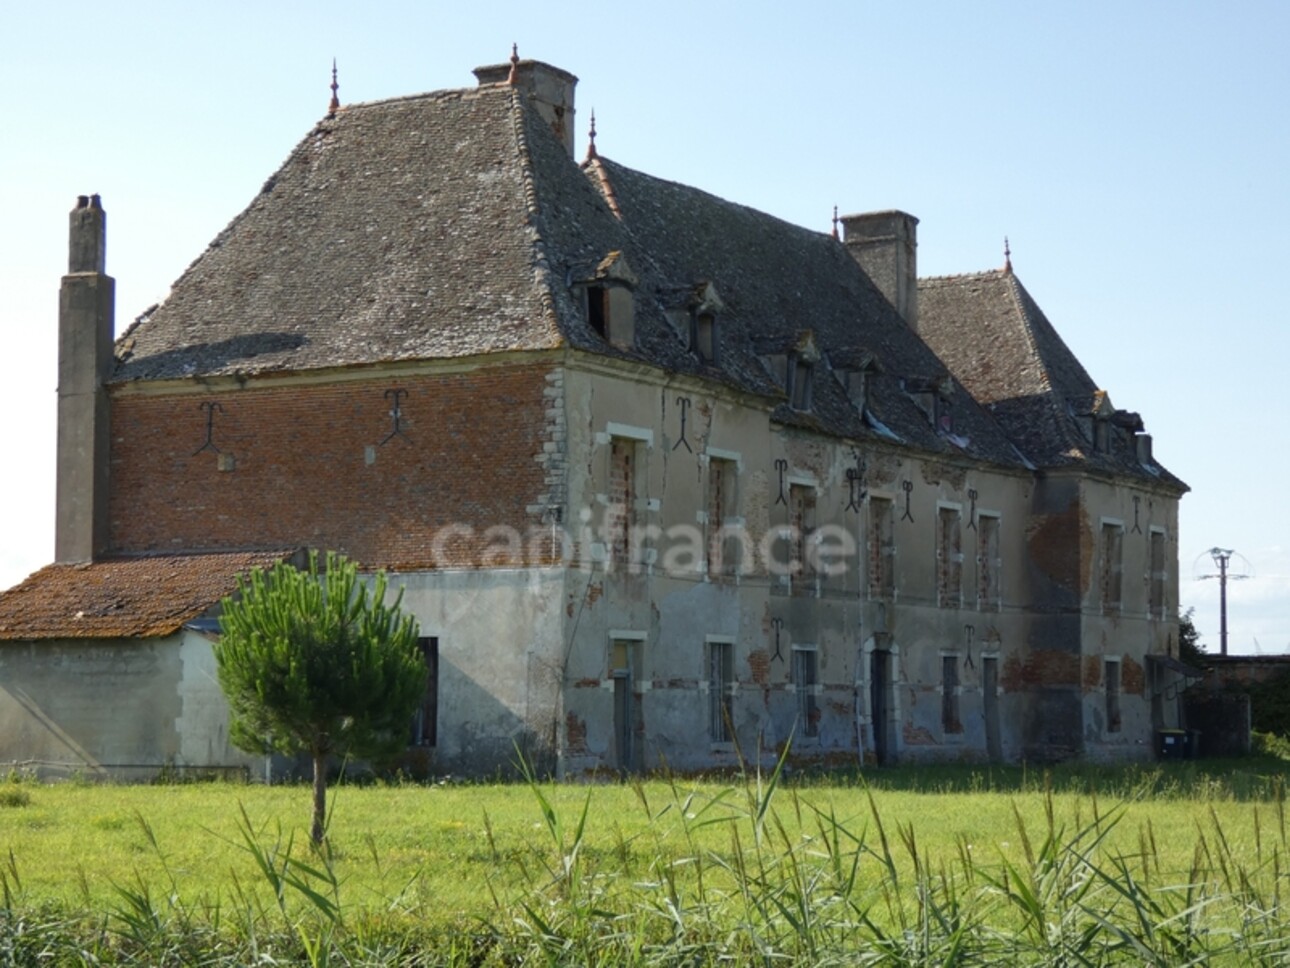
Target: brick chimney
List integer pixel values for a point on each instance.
(550, 88)
(886, 246)
(85, 322)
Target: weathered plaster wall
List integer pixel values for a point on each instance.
(501, 639)
(61, 706)
(1132, 631)
(672, 607)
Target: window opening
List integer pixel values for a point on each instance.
(949, 558)
(989, 563)
(1112, 567)
(950, 721)
(882, 548)
(1112, 676)
(806, 683)
(720, 689)
(723, 549)
(425, 721)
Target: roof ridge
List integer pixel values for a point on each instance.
(532, 214)
(954, 276)
(605, 186)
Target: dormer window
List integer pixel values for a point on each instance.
(598, 310)
(799, 383)
(933, 398)
(704, 337)
(1101, 435)
(856, 369)
(705, 306)
(608, 300)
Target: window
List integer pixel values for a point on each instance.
(799, 383)
(1157, 577)
(949, 558)
(721, 679)
(882, 548)
(806, 684)
(950, 722)
(1111, 673)
(723, 548)
(1112, 566)
(598, 309)
(620, 517)
(801, 509)
(609, 312)
(988, 562)
(425, 721)
(703, 338)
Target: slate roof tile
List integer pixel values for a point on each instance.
(997, 341)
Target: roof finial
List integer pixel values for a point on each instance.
(1007, 256)
(514, 77)
(335, 101)
(835, 221)
(591, 138)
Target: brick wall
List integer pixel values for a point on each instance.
(292, 466)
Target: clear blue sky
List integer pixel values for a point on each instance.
(1135, 153)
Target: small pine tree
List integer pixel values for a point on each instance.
(319, 663)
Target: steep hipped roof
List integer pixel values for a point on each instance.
(457, 224)
(994, 337)
(395, 230)
(117, 598)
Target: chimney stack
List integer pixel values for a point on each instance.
(85, 323)
(550, 88)
(886, 246)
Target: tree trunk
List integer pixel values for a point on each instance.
(320, 796)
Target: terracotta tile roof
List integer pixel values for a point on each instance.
(139, 597)
(996, 340)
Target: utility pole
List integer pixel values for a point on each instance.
(1222, 556)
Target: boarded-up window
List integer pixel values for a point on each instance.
(949, 558)
(989, 563)
(425, 721)
(723, 546)
(1157, 602)
(1111, 673)
(1112, 570)
(806, 684)
(720, 687)
(950, 721)
(801, 509)
(621, 513)
(882, 548)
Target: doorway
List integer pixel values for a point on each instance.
(622, 669)
(880, 704)
(990, 707)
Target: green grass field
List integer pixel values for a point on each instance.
(910, 866)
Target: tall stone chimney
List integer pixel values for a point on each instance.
(550, 88)
(85, 322)
(886, 246)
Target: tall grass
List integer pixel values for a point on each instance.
(757, 870)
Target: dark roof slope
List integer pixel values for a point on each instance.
(395, 230)
(777, 282)
(1000, 345)
(122, 597)
(456, 224)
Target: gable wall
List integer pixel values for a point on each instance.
(304, 465)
